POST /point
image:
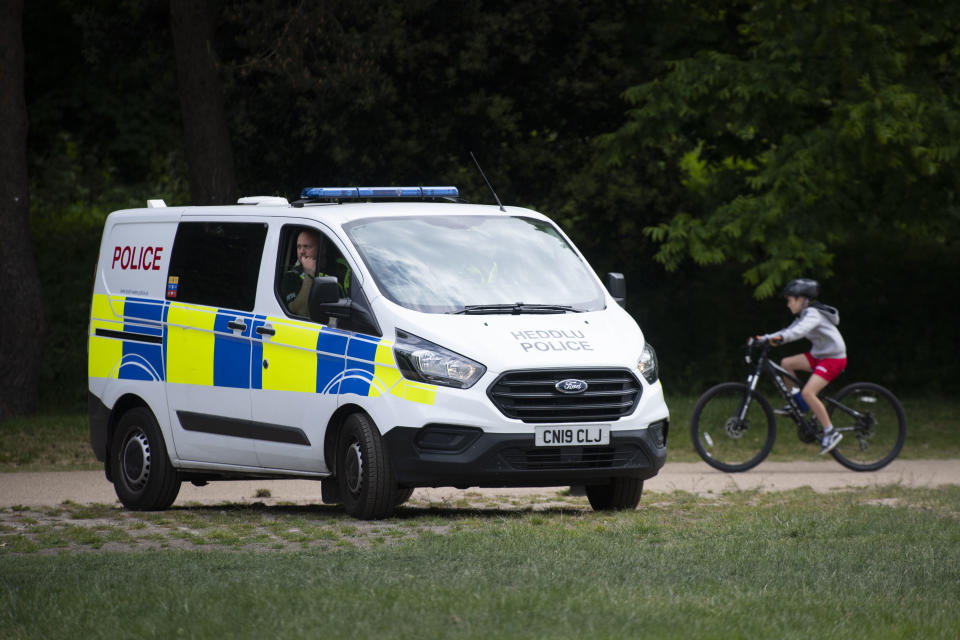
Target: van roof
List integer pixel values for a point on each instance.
(345, 204)
(350, 211)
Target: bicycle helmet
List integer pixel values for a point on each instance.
(802, 287)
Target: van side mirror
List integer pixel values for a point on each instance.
(617, 286)
(325, 301)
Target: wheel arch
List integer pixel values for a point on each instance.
(332, 435)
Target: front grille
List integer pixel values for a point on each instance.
(534, 458)
(532, 395)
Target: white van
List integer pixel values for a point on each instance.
(426, 343)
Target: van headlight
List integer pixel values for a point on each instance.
(647, 364)
(424, 361)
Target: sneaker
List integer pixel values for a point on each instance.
(782, 411)
(830, 441)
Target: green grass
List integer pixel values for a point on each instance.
(62, 442)
(55, 442)
(881, 563)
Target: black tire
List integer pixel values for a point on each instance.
(403, 494)
(721, 439)
(368, 490)
(620, 494)
(873, 441)
(142, 474)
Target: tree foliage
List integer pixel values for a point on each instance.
(206, 138)
(800, 124)
(333, 93)
(22, 319)
(761, 138)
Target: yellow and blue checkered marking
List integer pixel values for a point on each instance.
(144, 339)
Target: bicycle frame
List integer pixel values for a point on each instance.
(777, 374)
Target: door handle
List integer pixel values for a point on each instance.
(236, 325)
(266, 330)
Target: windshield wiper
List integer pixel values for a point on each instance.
(516, 308)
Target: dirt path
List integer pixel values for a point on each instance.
(83, 487)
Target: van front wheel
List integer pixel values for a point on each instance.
(142, 474)
(367, 488)
(620, 494)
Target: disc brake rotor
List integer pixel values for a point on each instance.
(734, 427)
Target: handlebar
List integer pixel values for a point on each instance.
(754, 343)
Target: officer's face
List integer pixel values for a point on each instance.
(306, 246)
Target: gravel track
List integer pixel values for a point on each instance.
(89, 487)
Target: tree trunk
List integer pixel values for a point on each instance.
(21, 301)
(205, 134)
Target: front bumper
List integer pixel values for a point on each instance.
(462, 457)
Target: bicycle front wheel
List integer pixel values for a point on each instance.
(723, 439)
(873, 425)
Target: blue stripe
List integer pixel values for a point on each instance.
(332, 341)
(362, 349)
(329, 367)
(140, 309)
(361, 354)
(231, 353)
(143, 309)
(141, 361)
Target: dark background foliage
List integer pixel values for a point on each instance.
(399, 92)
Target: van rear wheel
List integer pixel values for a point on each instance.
(142, 474)
(367, 488)
(620, 494)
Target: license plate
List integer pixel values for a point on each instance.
(564, 436)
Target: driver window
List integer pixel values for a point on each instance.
(306, 253)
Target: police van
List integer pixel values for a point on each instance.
(375, 339)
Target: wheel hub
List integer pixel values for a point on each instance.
(734, 427)
(136, 460)
(353, 468)
(867, 426)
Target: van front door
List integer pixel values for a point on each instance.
(302, 362)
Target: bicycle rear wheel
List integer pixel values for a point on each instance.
(873, 425)
(722, 439)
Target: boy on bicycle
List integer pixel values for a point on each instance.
(827, 357)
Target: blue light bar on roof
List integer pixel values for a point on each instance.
(341, 193)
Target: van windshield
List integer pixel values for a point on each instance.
(475, 264)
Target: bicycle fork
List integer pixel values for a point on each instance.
(752, 381)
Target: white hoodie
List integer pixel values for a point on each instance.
(817, 322)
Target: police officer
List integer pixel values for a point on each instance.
(297, 282)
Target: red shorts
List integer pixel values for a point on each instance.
(828, 368)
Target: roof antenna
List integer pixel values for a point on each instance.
(500, 204)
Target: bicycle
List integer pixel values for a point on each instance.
(733, 427)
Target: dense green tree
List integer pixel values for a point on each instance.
(386, 92)
(104, 111)
(401, 91)
(206, 137)
(22, 316)
(800, 126)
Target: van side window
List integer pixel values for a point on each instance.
(216, 264)
(306, 253)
